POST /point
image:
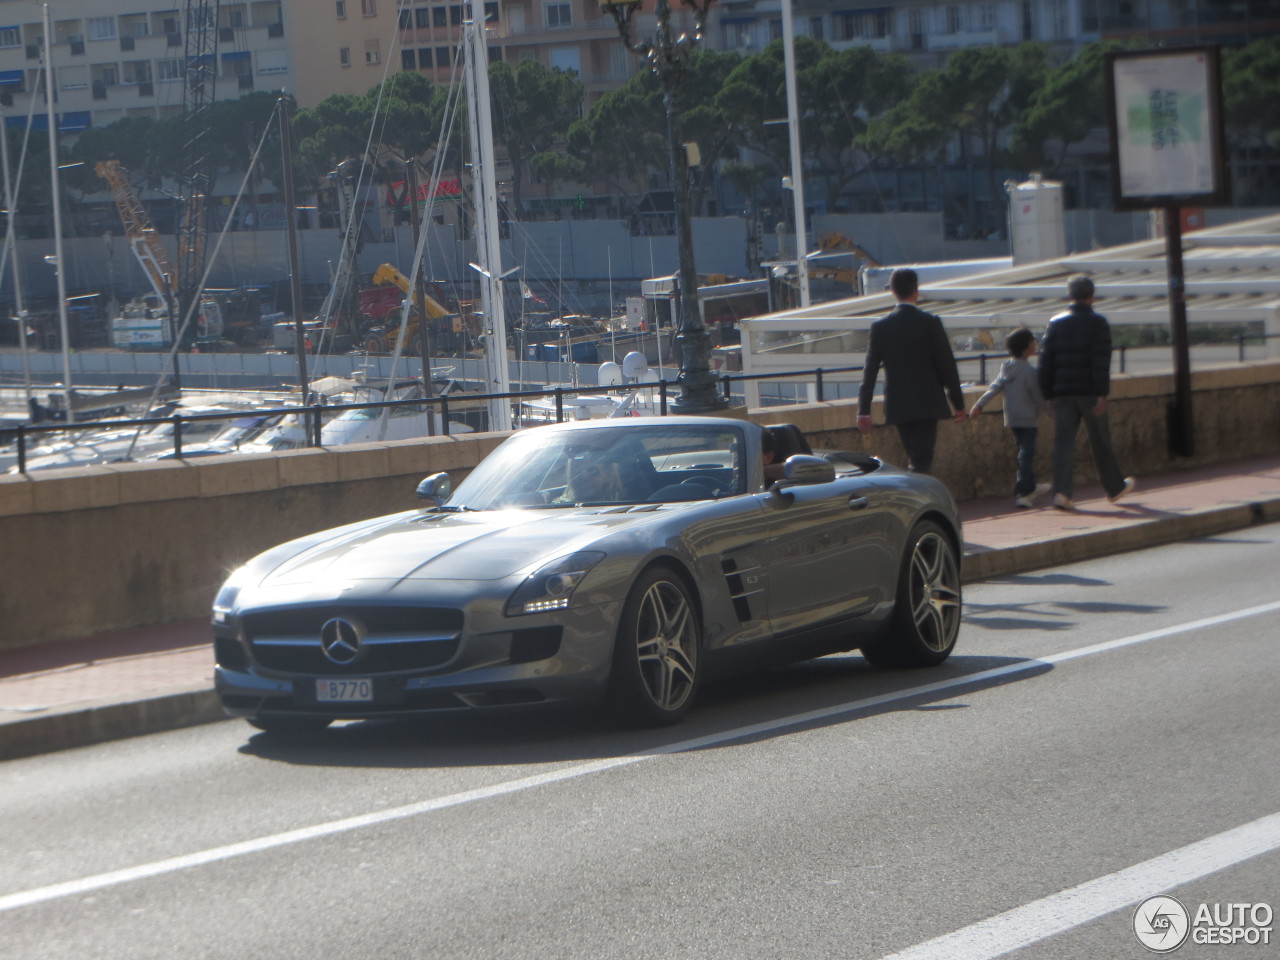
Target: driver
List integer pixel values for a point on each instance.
(593, 478)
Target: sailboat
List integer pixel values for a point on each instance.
(488, 237)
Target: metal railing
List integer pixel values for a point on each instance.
(314, 415)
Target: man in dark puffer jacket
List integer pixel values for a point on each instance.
(1075, 375)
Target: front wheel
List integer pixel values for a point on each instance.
(657, 652)
(926, 611)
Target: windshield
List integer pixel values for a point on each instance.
(629, 463)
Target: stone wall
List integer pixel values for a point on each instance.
(91, 549)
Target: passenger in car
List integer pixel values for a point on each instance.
(774, 469)
(592, 479)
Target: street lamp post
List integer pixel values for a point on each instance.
(668, 57)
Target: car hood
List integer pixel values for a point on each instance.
(462, 546)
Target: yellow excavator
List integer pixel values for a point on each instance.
(381, 336)
(837, 245)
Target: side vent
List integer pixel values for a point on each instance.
(738, 590)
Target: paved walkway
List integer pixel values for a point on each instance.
(137, 681)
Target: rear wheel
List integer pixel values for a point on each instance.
(374, 344)
(657, 653)
(926, 612)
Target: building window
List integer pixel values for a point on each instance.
(490, 13)
(405, 19)
(775, 29)
(344, 56)
(815, 28)
(986, 16)
(408, 60)
(168, 71)
(1060, 15)
(861, 26)
(442, 56)
(422, 18)
(736, 35)
(559, 14)
(439, 17)
(10, 36)
(368, 8)
(455, 14)
(372, 52)
(424, 58)
(954, 19)
(101, 28)
(340, 6)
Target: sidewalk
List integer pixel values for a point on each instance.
(130, 682)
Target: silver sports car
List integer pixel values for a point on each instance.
(616, 561)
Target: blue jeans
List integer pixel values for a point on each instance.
(1026, 481)
(1068, 412)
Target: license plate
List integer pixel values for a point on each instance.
(345, 691)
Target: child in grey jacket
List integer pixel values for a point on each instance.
(1023, 402)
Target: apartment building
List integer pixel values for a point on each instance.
(348, 46)
(928, 32)
(112, 60)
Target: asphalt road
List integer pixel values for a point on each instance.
(1105, 732)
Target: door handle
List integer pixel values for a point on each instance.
(858, 503)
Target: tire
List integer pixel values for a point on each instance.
(289, 726)
(657, 653)
(926, 612)
(374, 344)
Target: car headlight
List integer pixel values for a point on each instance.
(225, 601)
(551, 586)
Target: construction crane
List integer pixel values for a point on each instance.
(141, 233)
(200, 70)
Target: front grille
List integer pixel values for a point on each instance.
(292, 621)
(394, 639)
(383, 656)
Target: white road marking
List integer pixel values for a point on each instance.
(157, 868)
(1032, 922)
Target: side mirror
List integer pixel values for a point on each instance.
(436, 487)
(802, 468)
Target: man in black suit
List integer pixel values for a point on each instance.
(920, 373)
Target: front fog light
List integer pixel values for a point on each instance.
(551, 586)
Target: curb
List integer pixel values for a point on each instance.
(101, 721)
(1134, 535)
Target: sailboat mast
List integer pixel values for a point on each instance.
(488, 237)
(11, 245)
(57, 215)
